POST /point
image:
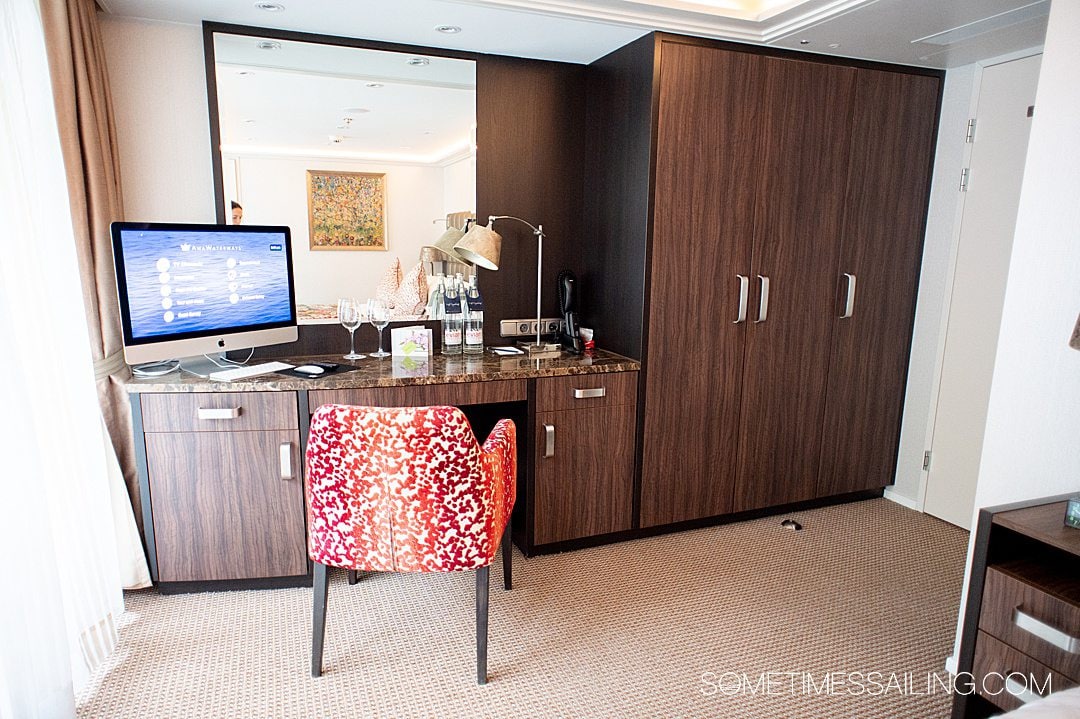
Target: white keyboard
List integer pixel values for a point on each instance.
(252, 370)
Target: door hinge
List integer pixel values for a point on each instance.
(965, 175)
(970, 136)
(926, 460)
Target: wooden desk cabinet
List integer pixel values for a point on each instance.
(221, 472)
(224, 476)
(1021, 630)
(584, 456)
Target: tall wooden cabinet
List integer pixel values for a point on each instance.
(777, 268)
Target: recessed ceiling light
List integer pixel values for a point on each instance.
(419, 61)
(374, 84)
(355, 110)
(244, 73)
(428, 132)
(804, 42)
(268, 45)
(335, 139)
(249, 121)
(834, 45)
(448, 29)
(270, 6)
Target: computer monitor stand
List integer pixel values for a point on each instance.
(202, 365)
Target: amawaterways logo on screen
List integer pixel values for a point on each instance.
(276, 247)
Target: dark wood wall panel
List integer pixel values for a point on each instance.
(529, 120)
(616, 204)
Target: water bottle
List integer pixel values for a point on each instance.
(435, 306)
(451, 320)
(474, 319)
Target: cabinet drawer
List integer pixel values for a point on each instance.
(424, 395)
(1041, 624)
(1009, 678)
(583, 391)
(218, 411)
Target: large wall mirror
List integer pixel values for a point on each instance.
(308, 129)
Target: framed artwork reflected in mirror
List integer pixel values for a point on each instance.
(346, 210)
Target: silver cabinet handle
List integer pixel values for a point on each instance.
(285, 457)
(849, 303)
(744, 296)
(587, 393)
(763, 306)
(549, 440)
(1047, 633)
(219, 413)
(1020, 690)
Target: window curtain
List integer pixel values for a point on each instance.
(62, 592)
(88, 141)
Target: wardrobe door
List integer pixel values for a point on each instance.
(877, 279)
(707, 161)
(796, 247)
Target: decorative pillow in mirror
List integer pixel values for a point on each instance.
(389, 283)
(411, 297)
(1075, 341)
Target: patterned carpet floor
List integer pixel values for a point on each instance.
(681, 625)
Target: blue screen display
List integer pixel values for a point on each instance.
(204, 281)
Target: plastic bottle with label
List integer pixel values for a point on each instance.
(451, 320)
(474, 319)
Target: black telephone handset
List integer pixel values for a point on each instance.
(568, 301)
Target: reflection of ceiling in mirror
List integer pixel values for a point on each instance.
(322, 100)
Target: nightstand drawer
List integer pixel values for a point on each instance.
(1009, 678)
(603, 389)
(1041, 620)
(218, 411)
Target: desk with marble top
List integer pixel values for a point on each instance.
(220, 463)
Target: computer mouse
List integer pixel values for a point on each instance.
(791, 524)
(310, 369)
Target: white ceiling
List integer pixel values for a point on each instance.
(583, 30)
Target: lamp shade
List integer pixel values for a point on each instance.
(481, 246)
(443, 249)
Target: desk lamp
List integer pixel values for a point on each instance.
(482, 246)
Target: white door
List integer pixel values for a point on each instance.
(1006, 93)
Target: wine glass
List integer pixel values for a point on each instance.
(379, 316)
(348, 314)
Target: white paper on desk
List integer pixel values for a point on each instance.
(412, 341)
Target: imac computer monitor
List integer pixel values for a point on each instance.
(192, 290)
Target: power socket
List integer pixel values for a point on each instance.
(524, 328)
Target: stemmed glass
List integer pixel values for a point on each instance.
(379, 317)
(348, 314)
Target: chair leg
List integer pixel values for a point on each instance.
(319, 587)
(352, 577)
(481, 624)
(508, 554)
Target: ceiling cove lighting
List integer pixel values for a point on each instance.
(448, 29)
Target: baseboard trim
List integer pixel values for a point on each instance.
(902, 500)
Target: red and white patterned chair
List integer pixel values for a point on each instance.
(407, 490)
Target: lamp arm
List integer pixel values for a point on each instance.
(538, 230)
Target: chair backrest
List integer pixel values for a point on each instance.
(402, 489)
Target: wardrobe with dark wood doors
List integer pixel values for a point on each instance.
(766, 210)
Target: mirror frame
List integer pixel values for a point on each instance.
(211, 28)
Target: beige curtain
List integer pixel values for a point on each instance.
(88, 140)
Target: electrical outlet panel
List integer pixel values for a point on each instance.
(524, 328)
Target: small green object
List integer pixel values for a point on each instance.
(1072, 513)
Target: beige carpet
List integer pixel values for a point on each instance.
(627, 630)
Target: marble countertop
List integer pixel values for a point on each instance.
(397, 372)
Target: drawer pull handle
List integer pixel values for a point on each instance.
(219, 412)
(587, 393)
(1047, 633)
(763, 301)
(849, 303)
(285, 457)
(744, 295)
(1021, 691)
(549, 440)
